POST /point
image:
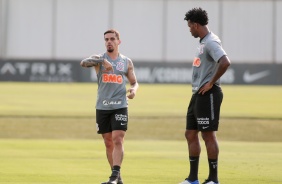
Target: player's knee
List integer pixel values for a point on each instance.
(209, 136)
(108, 143)
(118, 140)
(191, 135)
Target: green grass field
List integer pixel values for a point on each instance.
(47, 135)
(83, 162)
(78, 100)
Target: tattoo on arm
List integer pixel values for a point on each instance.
(131, 74)
(90, 62)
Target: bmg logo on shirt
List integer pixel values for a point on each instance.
(121, 117)
(112, 78)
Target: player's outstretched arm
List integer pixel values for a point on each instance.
(91, 61)
(132, 80)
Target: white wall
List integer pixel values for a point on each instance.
(141, 27)
(80, 26)
(29, 29)
(278, 35)
(151, 30)
(247, 32)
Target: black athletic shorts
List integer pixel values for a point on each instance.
(109, 120)
(204, 110)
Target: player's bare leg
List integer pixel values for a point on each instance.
(114, 146)
(193, 142)
(109, 147)
(118, 138)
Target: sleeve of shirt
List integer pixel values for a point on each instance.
(215, 50)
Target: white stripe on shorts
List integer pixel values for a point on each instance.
(212, 106)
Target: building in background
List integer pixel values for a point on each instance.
(41, 36)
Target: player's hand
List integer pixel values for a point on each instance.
(205, 88)
(131, 92)
(108, 66)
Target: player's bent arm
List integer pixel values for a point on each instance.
(96, 61)
(132, 80)
(224, 63)
(90, 62)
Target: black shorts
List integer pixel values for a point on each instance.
(204, 110)
(109, 120)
